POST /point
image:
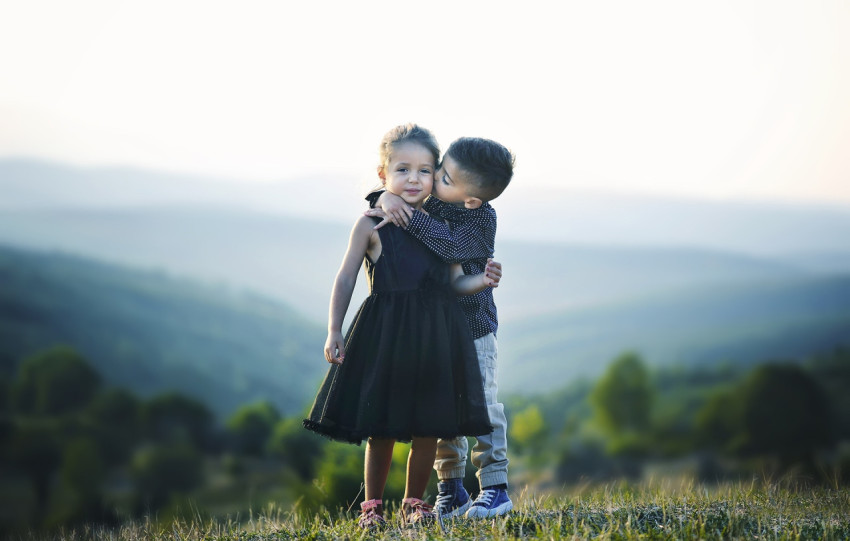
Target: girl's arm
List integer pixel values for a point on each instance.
(346, 278)
(470, 284)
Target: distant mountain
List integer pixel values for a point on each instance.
(529, 211)
(295, 260)
(742, 323)
(151, 332)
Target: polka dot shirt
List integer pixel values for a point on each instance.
(469, 239)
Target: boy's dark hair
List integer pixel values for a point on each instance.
(489, 163)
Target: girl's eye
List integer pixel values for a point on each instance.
(444, 180)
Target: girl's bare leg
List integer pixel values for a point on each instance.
(379, 456)
(420, 464)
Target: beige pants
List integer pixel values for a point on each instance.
(490, 452)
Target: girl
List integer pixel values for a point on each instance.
(407, 369)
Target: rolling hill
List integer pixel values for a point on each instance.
(741, 323)
(152, 332)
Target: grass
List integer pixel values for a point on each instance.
(618, 511)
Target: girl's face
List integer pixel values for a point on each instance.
(409, 173)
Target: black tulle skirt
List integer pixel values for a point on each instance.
(410, 370)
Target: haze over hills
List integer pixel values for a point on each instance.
(619, 266)
(527, 212)
(154, 333)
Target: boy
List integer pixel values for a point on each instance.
(474, 171)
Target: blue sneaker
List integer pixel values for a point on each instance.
(452, 499)
(491, 502)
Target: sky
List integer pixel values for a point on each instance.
(737, 100)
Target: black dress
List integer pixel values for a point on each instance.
(410, 366)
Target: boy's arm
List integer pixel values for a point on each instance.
(472, 236)
(470, 284)
(392, 208)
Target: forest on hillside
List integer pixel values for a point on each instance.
(78, 451)
(128, 394)
(152, 332)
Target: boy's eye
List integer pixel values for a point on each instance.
(402, 169)
(425, 171)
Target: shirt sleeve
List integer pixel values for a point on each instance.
(471, 237)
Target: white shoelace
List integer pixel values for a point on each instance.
(486, 496)
(444, 500)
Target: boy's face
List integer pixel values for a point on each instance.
(451, 182)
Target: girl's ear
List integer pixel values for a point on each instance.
(472, 202)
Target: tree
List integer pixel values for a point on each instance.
(175, 418)
(116, 415)
(299, 448)
(54, 382)
(160, 470)
(82, 473)
(622, 399)
(718, 422)
(35, 450)
(527, 428)
(785, 413)
(251, 427)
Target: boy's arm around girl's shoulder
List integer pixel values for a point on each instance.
(470, 233)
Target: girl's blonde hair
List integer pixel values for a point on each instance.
(407, 133)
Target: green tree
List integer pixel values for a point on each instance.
(298, 448)
(161, 470)
(82, 474)
(785, 413)
(718, 423)
(622, 399)
(340, 475)
(35, 450)
(251, 426)
(174, 418)
(528, 429)
(116, 415)
(54, 382)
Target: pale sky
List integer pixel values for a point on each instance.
(728, 100)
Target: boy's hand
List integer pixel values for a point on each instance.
(492, 273)
(334, 348)
(393, 209)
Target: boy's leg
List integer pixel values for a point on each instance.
(490, 452)
(450, 463)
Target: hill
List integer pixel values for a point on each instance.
(150, 332)
(742, 323)
(295, 259)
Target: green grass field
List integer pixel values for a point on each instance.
(621, 511)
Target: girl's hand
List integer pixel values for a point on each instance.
(334, 348)
(492, 273)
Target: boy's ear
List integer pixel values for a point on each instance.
(381, 173)
(472, 202)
